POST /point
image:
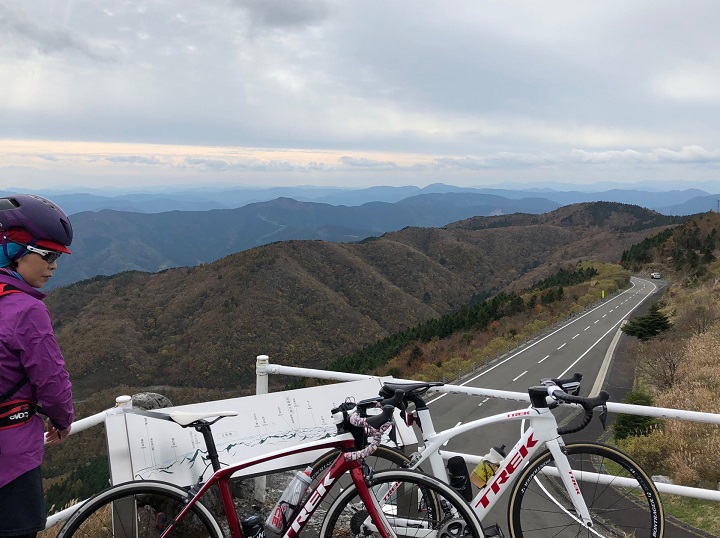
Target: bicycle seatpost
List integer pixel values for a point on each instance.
(204, 429)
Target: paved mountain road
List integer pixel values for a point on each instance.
(578, 345)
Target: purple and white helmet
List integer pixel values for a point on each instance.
(48, 225)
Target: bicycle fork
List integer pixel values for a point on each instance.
(557, 449)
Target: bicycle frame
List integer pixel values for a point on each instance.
(541, 432)
(343, 442)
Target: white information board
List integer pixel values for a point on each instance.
(161, 450)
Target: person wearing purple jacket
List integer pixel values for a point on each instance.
(33, 378)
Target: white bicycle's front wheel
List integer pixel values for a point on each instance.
(620, 496)
(413, 505)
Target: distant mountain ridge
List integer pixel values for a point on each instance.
(669, 202)
(109, 242)
(306, 302)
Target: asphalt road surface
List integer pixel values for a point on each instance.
(580, 344)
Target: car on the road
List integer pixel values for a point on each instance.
(655, 275)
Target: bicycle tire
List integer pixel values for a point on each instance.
(151, 505)
(616, 511)
(431, 507)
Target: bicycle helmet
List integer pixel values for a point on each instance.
(29, 219)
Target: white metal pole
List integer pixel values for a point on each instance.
(261, 387)
(261, 374)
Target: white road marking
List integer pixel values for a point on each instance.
(574, 337)
(562, 346)
(518, 377)
(545, 357)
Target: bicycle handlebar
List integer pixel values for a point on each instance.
(571, 385)
(562, 390)
(588, 404)
(386, 416)
(351, 417)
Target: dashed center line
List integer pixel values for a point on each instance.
(586, 328)
(518, 377)
(596, 321)
(545, 357)
(604, 315)
(485, 400)
(562, 346)
(574, 337)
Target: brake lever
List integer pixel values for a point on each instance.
(603, 417)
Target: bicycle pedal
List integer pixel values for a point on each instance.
(493, 531)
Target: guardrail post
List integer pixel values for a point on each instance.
(123, 401)
(261, 387)
(124, 512)
(261, 376)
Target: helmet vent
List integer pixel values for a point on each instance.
(8, 203)
(67, 228)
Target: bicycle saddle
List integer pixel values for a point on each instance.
(411, 389)
(183, 418)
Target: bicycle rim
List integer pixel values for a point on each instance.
(415, 506)
(540, 505)
(139, 510)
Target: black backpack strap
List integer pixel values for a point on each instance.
(16, 387)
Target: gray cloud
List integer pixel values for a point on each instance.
(479, 87)
(366, 163)
(209, 164)
(16, 27)
(284, 14)
(135, 159)
(221, 165)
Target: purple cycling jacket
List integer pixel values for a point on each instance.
(28, 347)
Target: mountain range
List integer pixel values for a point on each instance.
(666, 201)
(306, 302)
(108, 241)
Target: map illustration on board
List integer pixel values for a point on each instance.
(162, 450)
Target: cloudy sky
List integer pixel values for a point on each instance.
(358, 92)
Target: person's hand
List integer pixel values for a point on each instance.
(55, 436)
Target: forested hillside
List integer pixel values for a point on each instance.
(307, 302)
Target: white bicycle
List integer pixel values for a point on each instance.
(566, 490)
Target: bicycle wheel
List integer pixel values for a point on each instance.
(415, 505)
(139, 510)
(540, 505)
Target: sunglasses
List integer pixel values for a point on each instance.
(49, 256)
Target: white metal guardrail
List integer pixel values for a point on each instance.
(264, 368)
